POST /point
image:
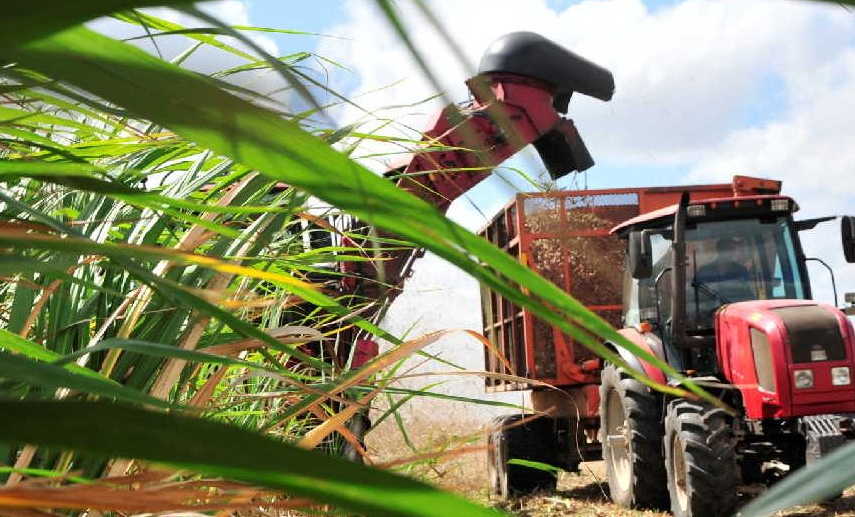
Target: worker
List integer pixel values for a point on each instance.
(726, 275)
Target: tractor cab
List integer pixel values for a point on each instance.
(732, 250)
(706, 276)
(718, 288)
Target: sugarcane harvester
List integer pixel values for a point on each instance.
(710, 279)
(523, 87)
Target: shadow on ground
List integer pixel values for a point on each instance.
(592, 492)
(836, 508)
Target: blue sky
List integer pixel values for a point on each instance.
(309, 16)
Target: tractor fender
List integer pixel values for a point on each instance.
(647, 342)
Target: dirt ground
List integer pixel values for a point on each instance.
(586, 495)
(583, 494)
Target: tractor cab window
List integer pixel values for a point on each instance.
(727, 261)
(647, 299)
(734, 261)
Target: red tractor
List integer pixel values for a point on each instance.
(718, 288)
(711, 279)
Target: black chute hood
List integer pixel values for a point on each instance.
(532, 55)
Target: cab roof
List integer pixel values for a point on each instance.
(670, 210)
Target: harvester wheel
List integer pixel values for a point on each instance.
(631, 433)
(359, 425)
(531, 441)
(700, 457)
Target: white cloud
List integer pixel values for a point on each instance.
(809, 145)
(683, 74)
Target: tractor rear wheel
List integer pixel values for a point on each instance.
(631, 433)
(531, 441)
(700, 457)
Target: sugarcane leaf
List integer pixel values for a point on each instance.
(15, 343)
(282, 150)
(38, 373)
(229, 452)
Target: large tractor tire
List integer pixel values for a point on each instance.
(531, 441)
(631, 433)
(700, 457)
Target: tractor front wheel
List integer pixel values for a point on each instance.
(700, 457)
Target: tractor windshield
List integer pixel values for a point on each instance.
(727, 261)
(735, 261)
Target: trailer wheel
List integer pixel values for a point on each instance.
(631, 434)
(532, 441)
(700, 457)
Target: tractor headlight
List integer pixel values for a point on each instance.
(803, 378)
(840, 376)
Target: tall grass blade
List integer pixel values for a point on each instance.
(37, 373)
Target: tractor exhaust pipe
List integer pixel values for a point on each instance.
(678, 275)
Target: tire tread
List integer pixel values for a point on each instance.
(643, 408)
(710, 453)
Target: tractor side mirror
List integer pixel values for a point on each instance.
(640, 258)
(847, 231)
(850, 309)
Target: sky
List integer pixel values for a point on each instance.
(705, 89)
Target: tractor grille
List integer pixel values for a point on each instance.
(814, 334)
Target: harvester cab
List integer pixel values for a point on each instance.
(718, 288)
